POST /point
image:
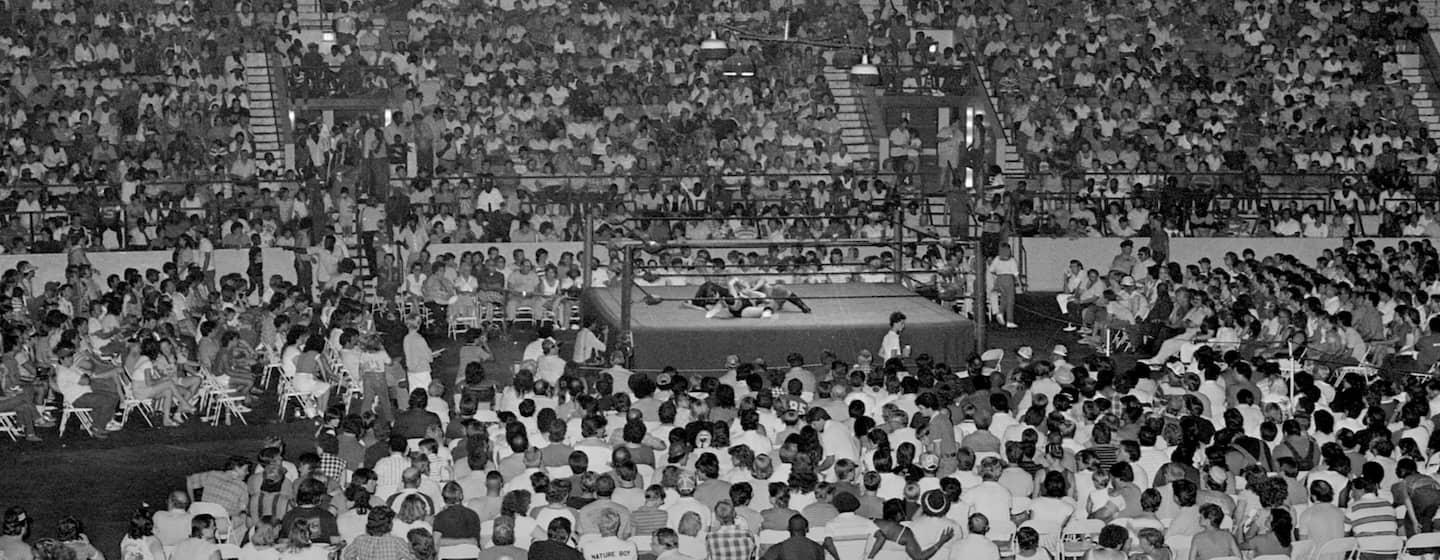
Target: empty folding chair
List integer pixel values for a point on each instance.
(1422, 544)
(8, 425)
(1337, 549)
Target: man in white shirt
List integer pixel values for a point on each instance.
(890, 345)
(418, 356)
(686, 502)
(990, 498)
(975, 545)
(837, 441)
(173, 524)
(848, 523)
(609, 546)
(749, 434)
(72, 381)
(536, 348)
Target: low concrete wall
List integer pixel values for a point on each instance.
(1047, 258)
(50, 267)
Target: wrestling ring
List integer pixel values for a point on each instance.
(658, 325)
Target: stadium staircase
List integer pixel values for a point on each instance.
(1420, 67)
(266, 108)
(855, 131)
(1427, 99)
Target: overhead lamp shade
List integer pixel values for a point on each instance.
(714, 48)
(865, 73)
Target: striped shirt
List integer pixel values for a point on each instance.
(649, 519)
(1369, 516)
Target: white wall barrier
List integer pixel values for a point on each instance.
(1047, 258)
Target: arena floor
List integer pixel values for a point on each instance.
(103, 482)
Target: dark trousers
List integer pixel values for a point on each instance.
(102, 406)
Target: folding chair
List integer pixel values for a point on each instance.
(1381, 545)
(1302, 549)
(1079, 537)
(222, 517)
(306, 402)
(273, 367)
(218, 404)
(1002, 533)
(1425, 542)
(1180, 545)
(128, 402)
(466, 319)
(526, 314)
(459, 552)
(1337, 549)
(1019, 505)
(228, 551)
(851, 547)
(1050, 538)
(7, 425)
(81, 415)
(574, 319)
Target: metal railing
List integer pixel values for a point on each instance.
(342, 81)
(958, 79)
(1257, 184)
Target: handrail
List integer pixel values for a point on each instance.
(980, 78)
(1430, 69)
(344, 81)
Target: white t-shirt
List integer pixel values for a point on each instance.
(890, 345)
(609, 548)
(67, 380)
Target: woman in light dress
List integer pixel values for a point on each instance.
(895, 540)
(140, 542)
(148, 382)
(466, 284)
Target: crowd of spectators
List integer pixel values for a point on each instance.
(1274, 400)
(1242, 98)
(118, 110)
(879, 452)
(1280, 88)
(575, 98)
(1358, 305)
(102, 92)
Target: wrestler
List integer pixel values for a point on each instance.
(743, 299)
(773, 296)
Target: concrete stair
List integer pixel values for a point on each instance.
(266, 127)
(855, 130)
(1008, 153)
(1427, 100)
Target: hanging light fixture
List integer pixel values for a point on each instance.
(865, 73)
(714, 48)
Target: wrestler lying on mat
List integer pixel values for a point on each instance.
(744, 299)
